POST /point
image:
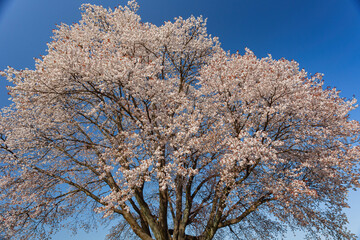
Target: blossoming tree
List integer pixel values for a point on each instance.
(160, 130)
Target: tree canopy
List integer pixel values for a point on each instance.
(160, 130)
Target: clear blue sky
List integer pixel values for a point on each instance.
(322, 35)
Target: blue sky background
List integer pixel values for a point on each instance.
(322, 35)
